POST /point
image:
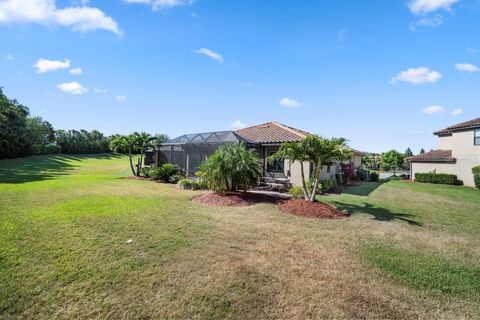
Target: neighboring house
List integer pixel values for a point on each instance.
(190, 150)
(458, 152)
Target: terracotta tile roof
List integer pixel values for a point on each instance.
(271, 132)
(475, 123)
(357, 152)
(434, 156)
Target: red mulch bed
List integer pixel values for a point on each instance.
(235, 199)
(297, 207)
(302, 208)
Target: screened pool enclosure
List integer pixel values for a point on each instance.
(190, 150)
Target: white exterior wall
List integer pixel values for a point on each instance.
(463, 149)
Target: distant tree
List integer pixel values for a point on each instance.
(14, 138)
(408, 153)
(392, 160)
(368, 160)
(422, 151)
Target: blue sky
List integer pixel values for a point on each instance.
(384, 74)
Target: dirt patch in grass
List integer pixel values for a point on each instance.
(235, 199)
(302, 208)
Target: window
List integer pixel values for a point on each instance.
(477, 137)
(276, 165)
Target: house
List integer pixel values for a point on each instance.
(190, 150)
(458, 152)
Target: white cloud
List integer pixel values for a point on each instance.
(421, 75)
(236, 125)
(100, 91)
(467, 67)
(433, 110)
(76, 71)
(419, 7)
(211, 54)
(79, 18)
(471, 50)
(427, 22)
(457, 112)
(289, 102)
(44, 65)
(8, 56)
(120, 98)
(72, 88)
(161, 4)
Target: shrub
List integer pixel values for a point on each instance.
(145, 172)
(361, 174)
(166, 173)
(476, 170)
(232, 167)
(339, 179)
(200, 185)
(328, 185)
(296, 192)
(186, 183)
(438, 178)
(348, 172)
(374, 176)
(176, 178)
(476, 176)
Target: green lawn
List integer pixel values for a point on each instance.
(408, 251)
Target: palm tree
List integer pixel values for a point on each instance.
(294, 151)
(125, 143)
(317, 150)
(232, 167)
(322, 151)
(143, 142)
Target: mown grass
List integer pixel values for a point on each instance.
(408, 251)
(427, 271)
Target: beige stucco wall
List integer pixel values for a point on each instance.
(461, 144)
(463, 149)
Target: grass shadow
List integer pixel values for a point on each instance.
(364, 189)
(45, 167)
(379, 214)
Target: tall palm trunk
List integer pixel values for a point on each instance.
(131, 162)
(318, 169)
(304, 184)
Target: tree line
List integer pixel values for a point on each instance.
(22, 134)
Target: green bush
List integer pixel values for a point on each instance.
(145, 172)
(166, 173)
(328, 185)
(232, 167)
(476, 176)
(374, 176)
(186, 184)
(361, 174)
(438, 178)
(296, 192)
(200, 185)
(176, 178)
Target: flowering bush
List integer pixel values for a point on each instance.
(348, 172)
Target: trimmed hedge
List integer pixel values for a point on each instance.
(476, 176)
(438, 178)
